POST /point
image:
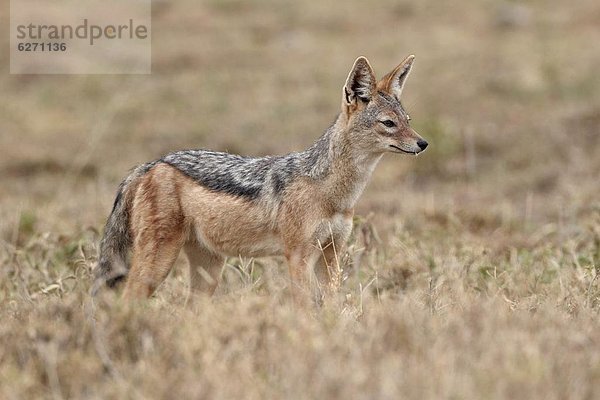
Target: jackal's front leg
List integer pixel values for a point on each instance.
(328, 268)
(301, 262)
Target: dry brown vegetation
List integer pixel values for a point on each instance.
(472, 273)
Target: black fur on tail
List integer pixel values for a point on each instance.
(113, 265)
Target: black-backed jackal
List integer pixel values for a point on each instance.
(299, 205)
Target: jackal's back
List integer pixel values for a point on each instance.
(236, 175)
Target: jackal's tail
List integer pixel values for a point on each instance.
(112, 264)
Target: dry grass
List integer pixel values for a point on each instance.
(473, 269)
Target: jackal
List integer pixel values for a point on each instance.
(299, 205)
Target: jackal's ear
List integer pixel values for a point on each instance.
(360, 84)
(393, 83)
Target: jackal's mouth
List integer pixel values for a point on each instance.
(404, 151)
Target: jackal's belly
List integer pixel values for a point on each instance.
(230, 225)
(238, 240)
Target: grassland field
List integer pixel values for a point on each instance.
(472, 272)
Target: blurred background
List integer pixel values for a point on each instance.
(472, 271)
(506, 92)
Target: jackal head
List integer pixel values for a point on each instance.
(375, 118)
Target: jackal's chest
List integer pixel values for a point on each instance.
(337, 227)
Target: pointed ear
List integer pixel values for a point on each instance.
(360, 84)
(393, 83)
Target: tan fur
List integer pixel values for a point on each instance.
(170, 212)
(309, 224)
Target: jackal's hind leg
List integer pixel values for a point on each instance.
(150, 264)
(205, 268)
(158, 230)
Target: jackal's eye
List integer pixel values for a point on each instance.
(408, 118)
(389, 123)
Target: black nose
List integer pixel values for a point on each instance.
(422, 144)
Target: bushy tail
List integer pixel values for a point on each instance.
(112, 263)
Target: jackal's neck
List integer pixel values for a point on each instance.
(344, 168)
